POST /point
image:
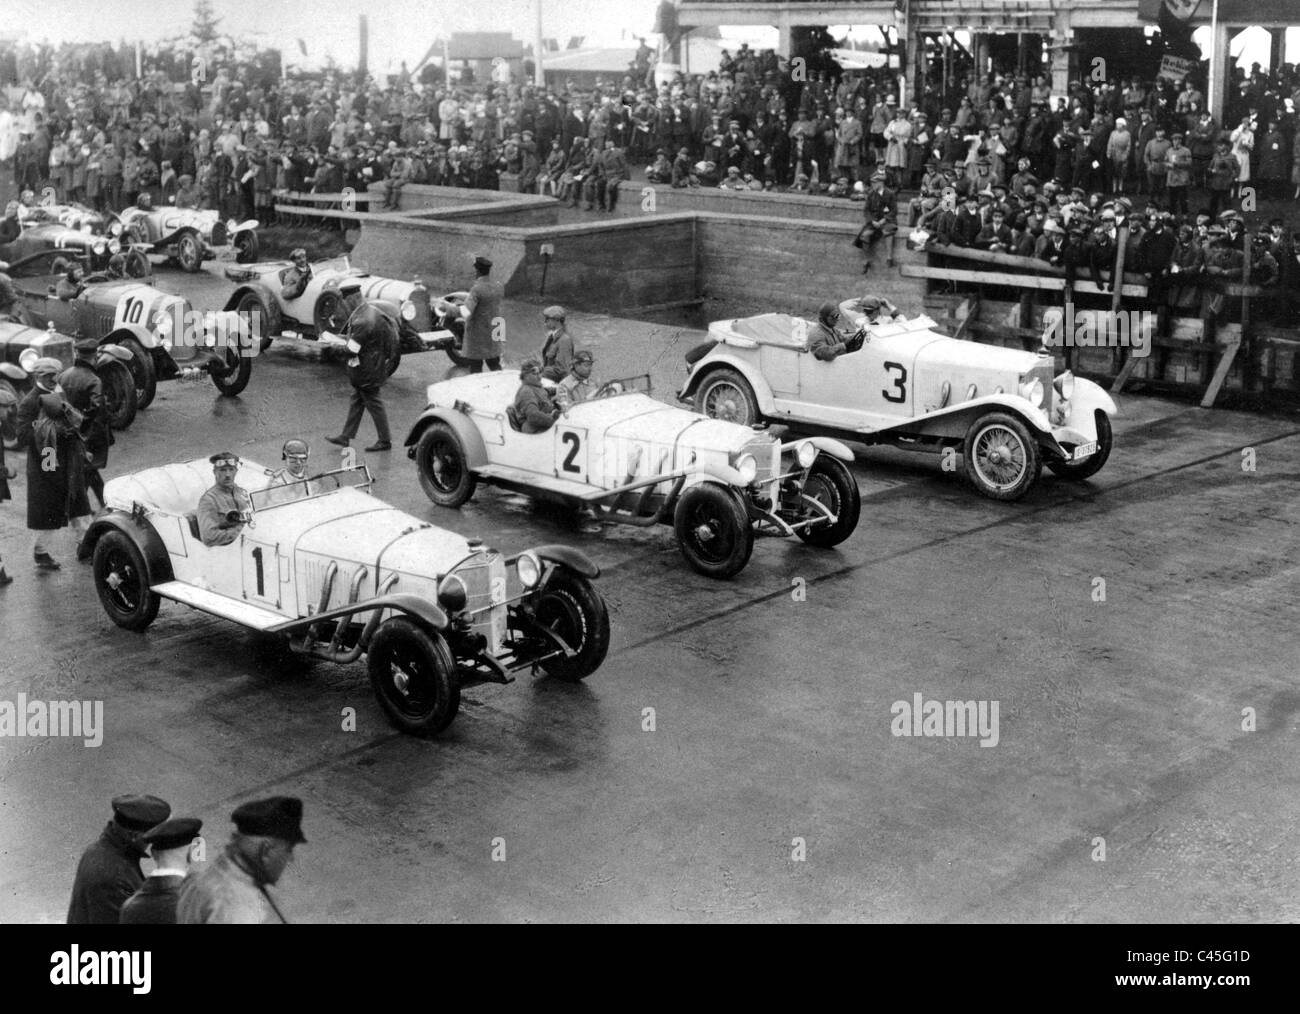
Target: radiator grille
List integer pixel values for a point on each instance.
(485, 582)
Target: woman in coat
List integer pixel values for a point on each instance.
(1119, 149)
(1273, 160)
(1243, 143)
(897, 136)
(848, 146)
(56, 485)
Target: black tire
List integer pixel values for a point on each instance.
(1088, 467)
(570, 606)
(137, 264)
(122, 581)
(443, 466)
(394, 361)
(1002, 459)
(247, 247)
(143, 371)
(713, 530)
(414, 676)
(254, 305)
(832, 484)
(725, 394)
(332, 312)
(9, 431)
(119, 393)
(234, 378)
(189, 251)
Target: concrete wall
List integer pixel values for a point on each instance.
(633, 200)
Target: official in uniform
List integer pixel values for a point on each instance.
(578, 385)
(222, 508)
(373, 341)
(109, 871)
(557, 352)
(169, 848)
(85, 392)
(482, 307)
(232, 888)
(533, 406)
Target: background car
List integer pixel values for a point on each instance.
(43, 239)
(335, 290)
(637, 461)
(167, 340)
(342, 574)
(189, 236)
(911, 386)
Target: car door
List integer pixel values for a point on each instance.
(864, 390)
(265, 571)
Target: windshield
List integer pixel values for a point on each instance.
(280, 492)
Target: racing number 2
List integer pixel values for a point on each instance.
(574, 443)
(899, 393)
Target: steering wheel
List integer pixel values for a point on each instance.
(610, 387)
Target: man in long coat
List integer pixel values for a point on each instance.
(56, 485)
(481, 311)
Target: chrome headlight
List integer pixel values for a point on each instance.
(530, 570)
(232, 225)
(408, 310)
(99, 248)
(1065, 385)
(747, 466)
(806, 454)
(1032, 390)
(453, 596)
(86, 227)
(115, 228)
(114, 246)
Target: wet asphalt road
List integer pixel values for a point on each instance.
(1119, 720)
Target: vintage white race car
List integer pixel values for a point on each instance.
(334, 291)
(189, 236)
(637, 461)
(342, 574)
(1002, 409)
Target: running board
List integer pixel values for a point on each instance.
(219, 605)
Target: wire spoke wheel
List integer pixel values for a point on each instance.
(1000, 456)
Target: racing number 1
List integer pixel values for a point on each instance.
(900, 384)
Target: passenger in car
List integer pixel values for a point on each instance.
(291, 481)
(533, 405)
(826, 343)
(577, 386)
(72, 284)
(224, 508)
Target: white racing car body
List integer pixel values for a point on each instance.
(188, 235)
(635, 460)
(909, 385)
(342, 574)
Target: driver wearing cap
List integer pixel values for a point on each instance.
(826, 343)
(577, 386)
(296, 276)
(223, 510)
(869, 309)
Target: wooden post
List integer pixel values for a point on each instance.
(1230, 352)
(1117, 287)
(1069, 346)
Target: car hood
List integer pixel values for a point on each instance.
(350, 525)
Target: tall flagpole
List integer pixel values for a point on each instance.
(539, 78)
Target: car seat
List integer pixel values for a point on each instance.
(516, 423)
(192, 519)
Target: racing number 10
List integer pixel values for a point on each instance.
(899, 394)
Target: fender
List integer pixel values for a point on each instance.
(424, 612)
(147, 339)
(832, 447)
(946, 418)
(115, 352)
(470, 437)
(719, 356)
(566, 556)
(251, 224)
(156, 560)
(1089, 397)
(12, 372)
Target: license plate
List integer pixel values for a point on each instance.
(1085, 451)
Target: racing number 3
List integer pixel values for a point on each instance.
(899, 393)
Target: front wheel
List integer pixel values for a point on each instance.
(713, 530)
(832, 485)
(1001, 456)
(569, 606)
(119, 393)
(189, 252)
(726, 394)
(122, 581)
(443, 466)
(413, 674)
(1089, 466)
(143, 371)
(234, 377)
(246, 247)
(137, 264)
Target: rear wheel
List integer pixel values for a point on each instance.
(414, 676)
(189, 252)
(122, 581)
(332, 312)
(143, 371)
(1001, 456)
(713, 530)
(231, 380)
(571, 607)
(119, 393)
(443, 466)
(261, 320)
(832, 485)
(725, 394)
(1089, 466)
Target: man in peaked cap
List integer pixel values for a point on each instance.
(232, 888)
(223, 508)
(109, 870)
(480, 312)
(169, 848)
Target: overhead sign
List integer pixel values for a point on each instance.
(1175, 68)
